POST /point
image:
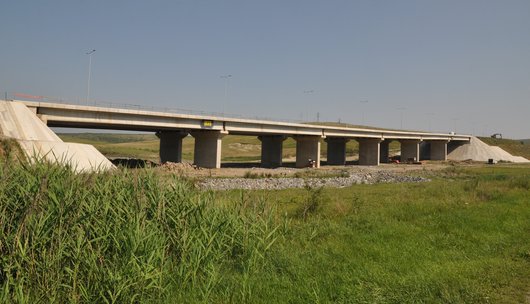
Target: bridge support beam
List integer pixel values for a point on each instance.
(171, 145)
(271, 150)
(410, 149)
(439, 149)
(307, 148)
(384, 151)
(369, 150)
(207, 151)
(336, 150)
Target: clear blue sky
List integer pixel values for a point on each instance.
(463, 64)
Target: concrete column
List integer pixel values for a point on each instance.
(271, 150)
(336, 150)
(384, 151)
(369, 150)
(410, 148)
(307, 147)
(207, 151)
(425, 150)
(439, 149)
(171, 145)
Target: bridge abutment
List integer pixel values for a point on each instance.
(410, 149)
(307, 148)
(336, 150)
(271, 150)
(369, 150)
(207, 150)
(171, 145)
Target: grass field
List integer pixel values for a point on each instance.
(462, 240)
(137, 236)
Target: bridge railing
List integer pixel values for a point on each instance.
(129, 106)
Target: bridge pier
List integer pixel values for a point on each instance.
(410, 149)
(207, 150)
(171, 145)
(439, 149)
(336, 150)
(307, 147)
(369, 151)
(384, 151)
(271, 150)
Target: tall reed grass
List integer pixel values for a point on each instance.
(126, 236)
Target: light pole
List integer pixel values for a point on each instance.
(362, 110)
(227, 80)
(401, 115)
(89, 74)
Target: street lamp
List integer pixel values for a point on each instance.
(227, 80)
(89, 74)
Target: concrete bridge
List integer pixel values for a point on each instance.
(209, 131)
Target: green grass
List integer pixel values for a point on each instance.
(137, 236)
(466, 240)
(10, 150)
(121, 237)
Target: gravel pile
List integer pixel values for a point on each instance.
(286, 183)
(478, 150)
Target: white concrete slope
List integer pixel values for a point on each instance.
(40, 142)
(478, 150)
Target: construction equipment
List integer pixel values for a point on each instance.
(497, 135)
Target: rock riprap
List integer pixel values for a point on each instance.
(295, 182)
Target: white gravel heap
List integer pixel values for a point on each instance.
(286, 183)
(478, 150)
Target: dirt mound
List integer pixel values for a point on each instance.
(477, 150)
